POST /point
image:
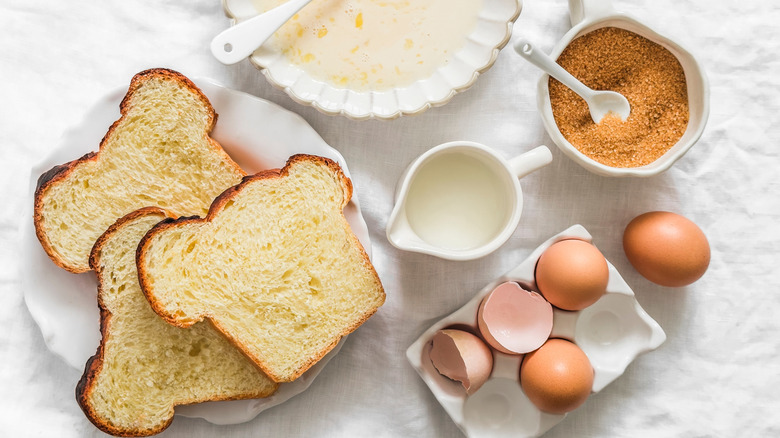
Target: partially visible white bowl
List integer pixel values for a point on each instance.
(491, 33)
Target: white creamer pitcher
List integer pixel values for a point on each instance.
(589, 15)
(460, 200)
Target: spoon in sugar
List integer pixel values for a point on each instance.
(239, 41)
(600, 103)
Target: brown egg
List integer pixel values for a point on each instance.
(557, 377)
(572, 274)
(666, 248)
(461, 356)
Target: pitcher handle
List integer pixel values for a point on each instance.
(530, 161)
(582, 10)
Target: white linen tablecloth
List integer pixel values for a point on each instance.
(718, 373)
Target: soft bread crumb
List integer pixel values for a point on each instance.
(274, 266)
(158, 153)
(144, 366)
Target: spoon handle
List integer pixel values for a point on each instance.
(237, 42)
(527, 50)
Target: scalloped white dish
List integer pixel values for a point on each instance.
(64, 305)
(483, 42)
(612, 332)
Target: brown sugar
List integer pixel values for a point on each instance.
(647, 74)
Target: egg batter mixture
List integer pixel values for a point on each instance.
(374, 44)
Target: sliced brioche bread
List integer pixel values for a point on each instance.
(274, 266)
(144, 366)
(158, 153)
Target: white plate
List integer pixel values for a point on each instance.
(489, 36)
(258, 135)
(611, 332)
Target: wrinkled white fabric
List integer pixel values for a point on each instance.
(717, 375)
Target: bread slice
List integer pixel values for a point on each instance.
(158, 153)
(274, 266)
(144, 366)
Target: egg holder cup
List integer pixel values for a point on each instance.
(589, 15)
(612, 332)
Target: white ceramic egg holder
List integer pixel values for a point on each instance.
(612, 332)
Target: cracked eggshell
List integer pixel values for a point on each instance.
(513, 320)
(461, 356)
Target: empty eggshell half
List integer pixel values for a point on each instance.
(461, 356)
(513, 320)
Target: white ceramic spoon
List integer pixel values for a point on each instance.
(239, 41)
(600, 103)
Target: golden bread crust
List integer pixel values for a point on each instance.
(59, 174)
(95, 363)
